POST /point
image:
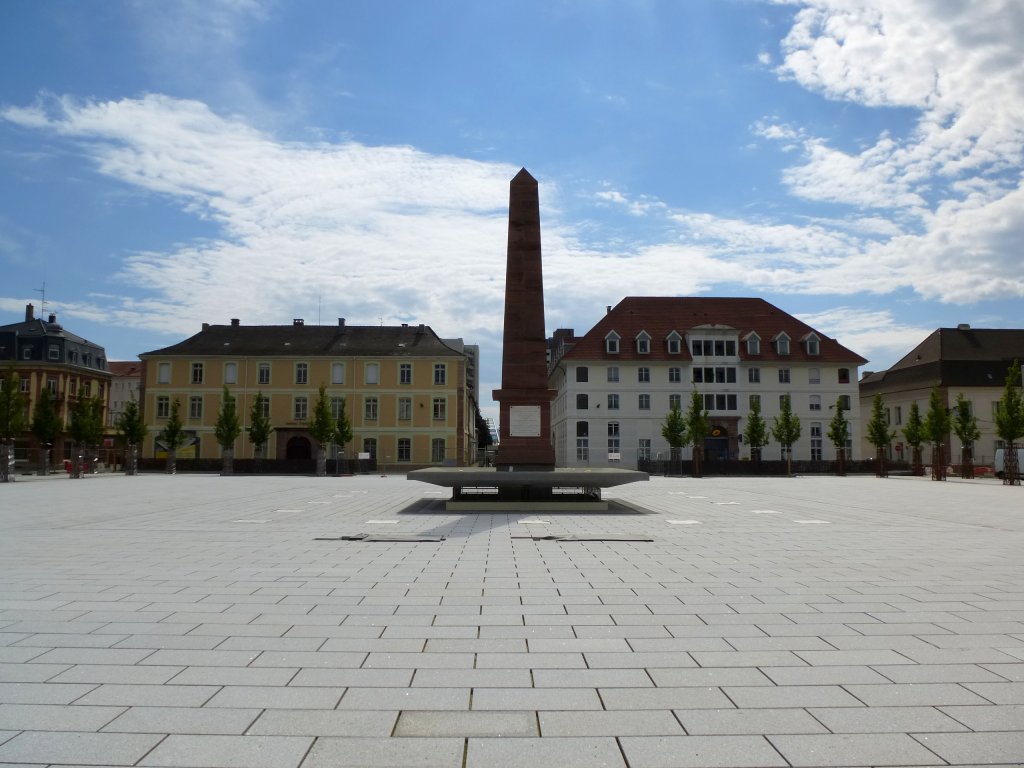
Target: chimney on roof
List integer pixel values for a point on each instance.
(53, 318)
(341, 322)
(234, 322)
(964, 327)
(608, 309)
(298, 321)
(206, 326)
(30, 313)
(421, 329)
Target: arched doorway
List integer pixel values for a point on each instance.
(298, 448)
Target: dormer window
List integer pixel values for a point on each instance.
(812, 344)
(674, 342)
(782, 343)
(643, 343)
(611, 343)
(753, 344)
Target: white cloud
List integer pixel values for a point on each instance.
(874, 334)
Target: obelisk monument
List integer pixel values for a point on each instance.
(524, 397)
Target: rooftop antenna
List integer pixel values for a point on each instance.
(42, 300)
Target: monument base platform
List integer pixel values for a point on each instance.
(563, 489)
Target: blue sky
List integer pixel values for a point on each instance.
(167, 164)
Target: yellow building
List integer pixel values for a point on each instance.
(404, 390)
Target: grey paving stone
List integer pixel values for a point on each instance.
(441, 724)
(359, 678)
(840, 675)
(283, 722)
(721, 722)
(699, 752)
(756, 697)
(530, 661)
(43, 693)
(564, 752)
(591, 678)
(234, 676)
(472, 678)
(275, 697)
(30, 673)
(748, 659)
(876, 749)
(185, 720)
(385, 753)
(664, 698)
(209, 751)
(916, 694)
(406, 698)
(885, 720)
(605, 723)
(54, 717)
(707, 676)
(998, 693)
(81, 748)
(535, 698)
(116, 673)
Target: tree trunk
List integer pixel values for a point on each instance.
(966, 462)
(1011, 468)
(6, 461)
(938, 463)
(172, 461)
(227, 461)
(841, 462)
(881, 470)
(321, 461)
(44, 461)
(131, 460)
(698, 462)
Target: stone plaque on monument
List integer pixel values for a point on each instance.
(524, 420)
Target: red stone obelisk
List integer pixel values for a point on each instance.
(524, 397)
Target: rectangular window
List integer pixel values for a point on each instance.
(54, 353)
(302, 373)
(263, 376)
(844, 402)
(815, 404)
(26, 353)
(783, 375)
(195, 407)
(372, 372)
(644, 402)
(230, 373)
(613, 402)
(26, 384)
(404, 449)
(674, 346)
(582, 402)
(337, 373)
(266, 407)
(782, 345)
(698, 375)
(611, 345)
(814, 375)
(582, 441)
(888, 417)
(755, 401)
(643, 375)
(783, 401)
(336, 407)
(370, 408)
(899, 415)
(698, 348)
(405, 373)
(720, 348)
(754, 375)
(300, 411)
(753, 345)
(163, 373)
(812, 346)
(816, 441)
(86, 387)
(719, 402)
(643, 345)
(844, 375)
(438, 451)
(613, 437)
(675, 375)
(643, 449)
(440, 408)
(709, 402)
(440, 373)
(613, 374)
(675, 401)
(405, 409)
(163, 406)
(73, 386)
(197, 373)
(582, 374)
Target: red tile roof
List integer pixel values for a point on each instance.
(125, 367)
(659, 316)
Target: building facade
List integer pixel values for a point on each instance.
(617, 383)
(45, 355)
(404, 390)
(125, 387)
(961, 360)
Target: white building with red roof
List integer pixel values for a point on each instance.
(617, 382)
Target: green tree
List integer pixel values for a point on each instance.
(323, 430)
(965, 427)
(755, 435)
(259, 428)
(839, 434)
(131, 431)
(343, 432)
(227, 429)
(173, 436)
(12, 422)
(697, 428)
(674, 431)
(786, 431)
(936, 428)
(46, 426)
(914, 434)
(85, 429)
(1010, 423)
(879, 435)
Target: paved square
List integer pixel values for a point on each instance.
(199, 621)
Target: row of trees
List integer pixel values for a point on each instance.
(325, 429)
(692, 427)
